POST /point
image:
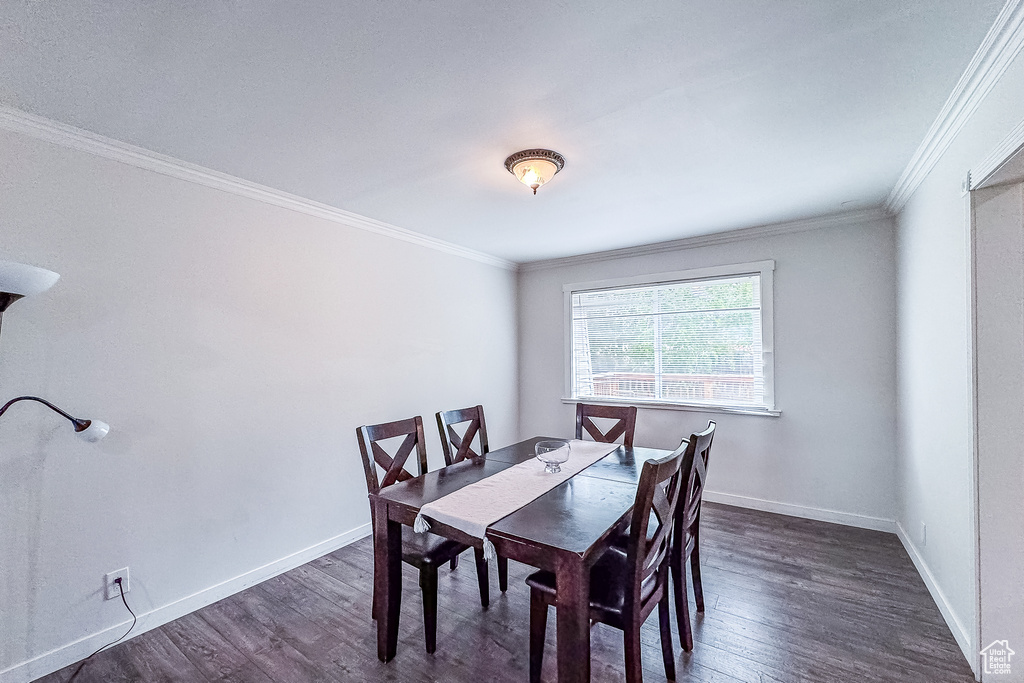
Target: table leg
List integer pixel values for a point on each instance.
(573, 620)
(387, 580)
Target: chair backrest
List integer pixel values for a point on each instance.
(393, 465)
(458, 447)
(694, 478)
(624, 426)
(657, 497)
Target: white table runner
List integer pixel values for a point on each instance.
(473, 508)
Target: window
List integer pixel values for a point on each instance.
(694, 338)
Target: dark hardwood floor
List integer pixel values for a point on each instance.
(787, 600)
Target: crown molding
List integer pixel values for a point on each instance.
(57, 133)
(837, 220)
(1001, 45)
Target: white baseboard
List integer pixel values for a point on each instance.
(960, 633)
(804, 511)
(72, 652)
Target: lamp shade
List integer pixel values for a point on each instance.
(20, 279)
(95, 431)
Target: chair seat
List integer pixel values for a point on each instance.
(421, 550)
(607, 586)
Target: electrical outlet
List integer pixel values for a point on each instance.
(924, 534)
(112, 590)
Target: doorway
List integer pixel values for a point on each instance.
(997, 246)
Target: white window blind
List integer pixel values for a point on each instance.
(690, 342)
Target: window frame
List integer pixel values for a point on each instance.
(765, 269)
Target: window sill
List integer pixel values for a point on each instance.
(689, 407)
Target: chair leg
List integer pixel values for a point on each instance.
(698, 589)
(683, 610)
(428, 586)
(538, 626)
(482, 578)
(373, 596)
(679, 588)
(631, 643)
(503, 573)
(453, 563)
(664, 624)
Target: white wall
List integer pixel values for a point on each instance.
(831, 453)
(935, 471)
(934, 364)
(233, 347)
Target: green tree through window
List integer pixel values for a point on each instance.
(693, 341)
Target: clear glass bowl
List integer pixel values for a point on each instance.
(552, 453)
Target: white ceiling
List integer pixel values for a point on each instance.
(676, 117)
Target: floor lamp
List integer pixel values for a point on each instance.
(18, 280)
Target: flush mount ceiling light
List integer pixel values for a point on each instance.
(534, 167)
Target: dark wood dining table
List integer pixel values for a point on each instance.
(564, 531)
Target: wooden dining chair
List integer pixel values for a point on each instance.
(686, 534)
(424, 551)
(624, 425)
(625, 586)
(458, 429)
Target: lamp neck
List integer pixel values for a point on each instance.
(80, 425)
(6, 299)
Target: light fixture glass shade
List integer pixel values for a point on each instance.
(94, 432)
(534, 167)
(535, 172)
(24, 280)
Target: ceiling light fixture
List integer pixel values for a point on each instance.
(534, 167)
